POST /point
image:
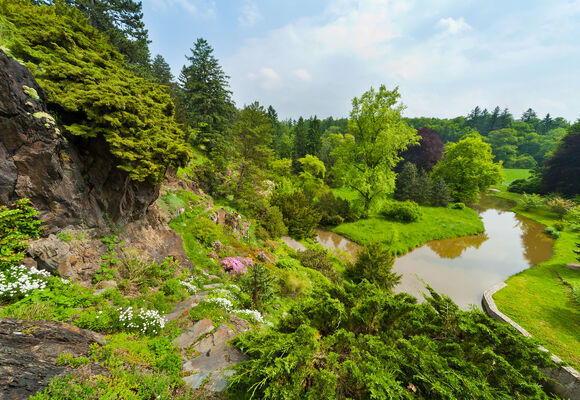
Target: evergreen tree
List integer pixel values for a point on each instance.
(206, 97)
(562, 171)
(160, 71)
(300, 140)
(439, 194)
(529, 115)
(406, 182)
(375, 264)
(122, 22)
(314, 137)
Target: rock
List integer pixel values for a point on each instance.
(103, 286)
(29, 351)
(192, 335)
(239, 324)
(70, 182)
(215, 356)
(493, 190)
(575, 266)
(185, 306)
(266, 257)
(212, 285)
(217, 246)
(231, 220)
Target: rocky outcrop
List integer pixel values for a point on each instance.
(29, 351)
(71, 182)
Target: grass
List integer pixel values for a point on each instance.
(514, 174)
(436, 223)
(544, 299)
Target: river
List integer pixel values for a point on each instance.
(463, 268)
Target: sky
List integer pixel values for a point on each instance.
(311, 57)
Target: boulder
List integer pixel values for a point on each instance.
(29, 351)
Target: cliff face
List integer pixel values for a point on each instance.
(70, 183)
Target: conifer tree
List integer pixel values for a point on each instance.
(160, 71)
(300, 139)
(206, 97)
(314, 137)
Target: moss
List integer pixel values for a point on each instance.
(31, 92)
(46, 116)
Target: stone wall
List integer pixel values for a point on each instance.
(567, 379)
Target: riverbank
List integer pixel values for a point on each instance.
(435, 223)
(542, 299)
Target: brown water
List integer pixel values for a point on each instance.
(463, 268)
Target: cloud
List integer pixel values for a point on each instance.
(302, 74)
(266, 78)
(453, 26)
(249, 14)
(197, 8)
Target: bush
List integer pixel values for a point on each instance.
(405, 211)
(550, 231)
(458, 206)
(18, 223)
(333, 209)
(375, 264)
(440, 196)
(573, 215)
(273, 222)
(530, 201)
(318, 259)
(298, 213)
(560, 206)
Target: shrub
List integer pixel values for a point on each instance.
(573, 215)
(18, 223)
(298, 213)
(440, 196)
(550, 231)
(405, 211)
(273, 222)
(17, 282)
(333, 209)
(237, 265)
(318, 259)
(458, 206)
(560, 206)
(530, 201)
(374, 263)
(258, 283)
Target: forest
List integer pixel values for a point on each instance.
(320, 325)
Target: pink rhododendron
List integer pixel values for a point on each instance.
(237, 265)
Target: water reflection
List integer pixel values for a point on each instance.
(453, 248)
(464, 267)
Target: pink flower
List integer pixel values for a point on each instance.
(236, 265)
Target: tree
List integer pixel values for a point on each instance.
(427, 153)
(122, 22)
(160, 71)
(375, 264)
(529, 115)
(562, 171)
(298, 211)
(300, 139)
(314, 137)
(365, 160)
(206, 97)
(468, 168)
(252, 134)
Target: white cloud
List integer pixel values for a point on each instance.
(266, 78)
(453, 26)
(302, 74)
(249, 14)
(197, 8)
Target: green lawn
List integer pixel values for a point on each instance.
(544, 299)
(436, 223)
(513, 174)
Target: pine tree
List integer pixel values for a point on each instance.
(314, 137)
(300, 140)
(160, 71)
(206, 97)
(439, 194)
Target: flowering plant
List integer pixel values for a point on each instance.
(18, 281)
(237, 265)
(148, 322)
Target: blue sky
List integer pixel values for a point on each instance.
(312, 57)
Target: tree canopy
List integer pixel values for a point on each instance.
(468, 168)
(562, 172)
(365, 160)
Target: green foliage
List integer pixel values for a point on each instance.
(109, 260)
(553, 232)
(258, 283)
(18, 223)
(317, 258)
(374, 263)
(273, 222)
(31, 92)
(530, 201)
(84, 78)
(71, 361)
(299, 214)
(560, 206)
(365, 160)
(468, 168)
(357, 342)
(335, 210)
(439, 193)
(404, 211)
